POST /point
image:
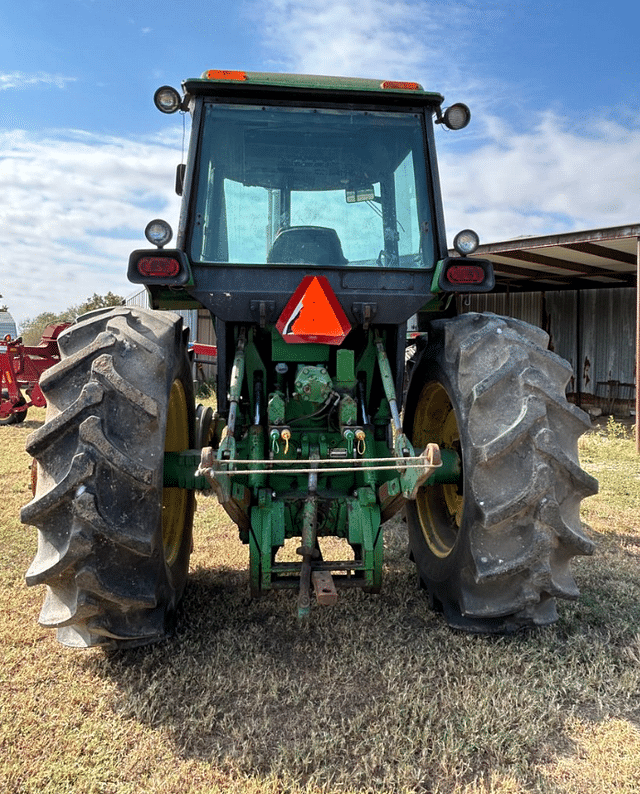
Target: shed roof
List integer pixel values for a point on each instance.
(576, 260)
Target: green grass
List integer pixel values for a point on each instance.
(375, 695)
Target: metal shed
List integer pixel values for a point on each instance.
(7, 324)
(582, 288)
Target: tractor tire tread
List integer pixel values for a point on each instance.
(98, 502)
(523, 482)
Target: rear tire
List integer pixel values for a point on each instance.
(494, 552)
(114, 544)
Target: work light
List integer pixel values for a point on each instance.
(457, 116)
(466, 242)
(167, 99)
(158, 232)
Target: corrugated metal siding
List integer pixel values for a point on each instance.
(206, 330)
(140, 298)
(206, 336)
(525, 306)
(605, 333)
(561, 308)
(191, 322)
(608, 342)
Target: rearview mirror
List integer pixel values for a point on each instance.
(354, 195)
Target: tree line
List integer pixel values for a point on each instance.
(31, 330)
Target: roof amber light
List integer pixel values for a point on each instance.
(400, 85)
(225, 74)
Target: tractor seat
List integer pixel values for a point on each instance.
(307, 245)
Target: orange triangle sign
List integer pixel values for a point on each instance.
(313, 314)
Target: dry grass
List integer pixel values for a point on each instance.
(376, 694)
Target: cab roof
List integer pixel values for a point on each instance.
(216, 82)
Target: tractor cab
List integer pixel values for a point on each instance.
(289, 175)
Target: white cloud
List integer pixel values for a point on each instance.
(550, 178)
(503, 181)
(74, 206)
(19, 80)
(345, 38)
(390, 39)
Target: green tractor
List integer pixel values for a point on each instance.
(312, 231)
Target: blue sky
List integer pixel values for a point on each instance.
(86, 160)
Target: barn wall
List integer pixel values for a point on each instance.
(599, 323)
(527, 306)
(608, 336)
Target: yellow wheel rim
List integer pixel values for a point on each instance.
(439, 507)
(175, 501)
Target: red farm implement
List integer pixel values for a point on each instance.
(21, 367)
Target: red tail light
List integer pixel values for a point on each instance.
(465, 274)
(459, 274)
(158, 266)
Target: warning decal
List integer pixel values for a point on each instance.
(313, 314)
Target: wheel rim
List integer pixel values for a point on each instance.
(439, 507)
(175, 501)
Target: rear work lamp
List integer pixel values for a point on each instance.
(455, 117)
(167, 99)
